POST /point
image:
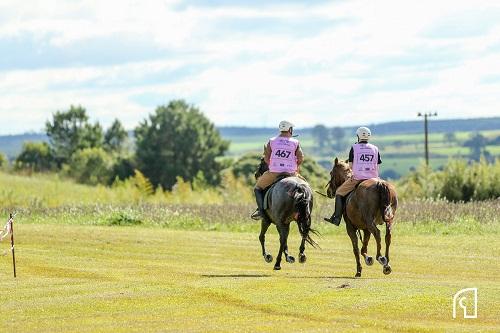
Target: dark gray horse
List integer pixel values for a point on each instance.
(289, 199)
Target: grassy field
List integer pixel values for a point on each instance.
(98, 259)
(141, 279)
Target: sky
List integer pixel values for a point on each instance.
(249, 63)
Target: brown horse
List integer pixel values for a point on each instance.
(373, 202)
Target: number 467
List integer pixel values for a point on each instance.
(282, 153)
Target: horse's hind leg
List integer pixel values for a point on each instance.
(387, 268)
(351, 231)
(364, 248)
(288, 257)
(262, 237)
(302, 256)
(376, 233)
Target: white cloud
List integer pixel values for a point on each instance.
(370, 62)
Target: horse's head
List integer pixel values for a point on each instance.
(339, 174)
(263, 167)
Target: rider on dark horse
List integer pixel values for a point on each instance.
(364, 159)
(283, 155)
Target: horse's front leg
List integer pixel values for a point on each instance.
(302, 256)
(364, 248)
(351, 231)
(262, 237)
(387, 268)
(283, 230)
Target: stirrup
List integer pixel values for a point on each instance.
(332, 220)
(256, 215)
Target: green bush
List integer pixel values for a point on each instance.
(91, 166)
(4, 162)
(35, 157)
(458, 181)
(244, 167)
(123, 219)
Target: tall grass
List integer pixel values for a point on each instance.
(51, 199)
(50, 191)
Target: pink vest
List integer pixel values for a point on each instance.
(283, 157)
(365, 163)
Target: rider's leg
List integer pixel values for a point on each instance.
(263, 182)
(339, 208)
(340, 194)
(259, 198)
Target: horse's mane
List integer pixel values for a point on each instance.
(340, 171)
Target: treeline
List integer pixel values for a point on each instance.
(175, 144)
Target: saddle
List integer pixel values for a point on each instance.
(267, 189)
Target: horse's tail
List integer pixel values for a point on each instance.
(385, 201)
(303, 206)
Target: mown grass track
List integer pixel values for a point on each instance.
(131, 279)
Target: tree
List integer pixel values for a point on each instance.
(178, 140)
(91, 166)
(476, 144)
(115, 137)
(320, 135)
(70, 131)
(338, 135)
(450, 137)
(35, 156)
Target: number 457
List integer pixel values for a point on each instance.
(366, 157)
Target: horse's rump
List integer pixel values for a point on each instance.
(375, 194)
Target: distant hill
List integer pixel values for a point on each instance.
(11, 145)
(400, 127)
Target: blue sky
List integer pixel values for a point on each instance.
(249, 63)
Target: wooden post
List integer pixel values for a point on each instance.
(11, 222)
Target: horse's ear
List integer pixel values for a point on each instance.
(336, 160)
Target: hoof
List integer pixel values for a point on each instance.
(268, 257)
(382, 260)
(358, 274)
(290, 259)
(302, 258)
(277, 268)
(369, 261)
(387, 269)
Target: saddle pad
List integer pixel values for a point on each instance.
(266, 196)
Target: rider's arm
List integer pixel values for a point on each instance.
(267, 153)
(351, 157)
(300, 155)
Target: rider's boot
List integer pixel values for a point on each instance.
(259, 198)
(337, 216)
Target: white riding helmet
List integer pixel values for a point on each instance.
(285, 126)
(363, 133)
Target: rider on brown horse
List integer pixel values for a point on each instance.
(364, 159)
(283, 155)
